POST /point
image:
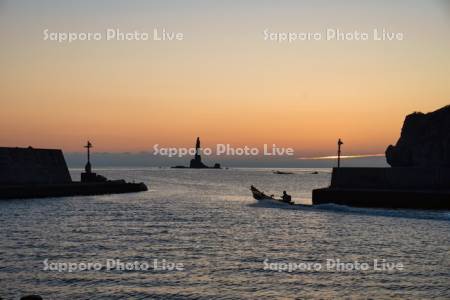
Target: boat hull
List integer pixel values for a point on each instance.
(260, 196)
(274, 201)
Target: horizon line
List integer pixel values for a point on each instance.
(342, 156)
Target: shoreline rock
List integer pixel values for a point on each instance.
(424, 141)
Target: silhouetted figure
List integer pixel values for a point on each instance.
(340, 143)
(286, 197)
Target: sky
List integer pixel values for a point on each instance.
(223, 81)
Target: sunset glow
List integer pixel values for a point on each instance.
(223, 82)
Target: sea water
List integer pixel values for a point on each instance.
(199, 234)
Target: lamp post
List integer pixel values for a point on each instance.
(340, 143)
(88, 167)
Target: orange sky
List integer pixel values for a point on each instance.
(223, 82)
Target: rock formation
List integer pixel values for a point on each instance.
(424, 141)
(196, 162)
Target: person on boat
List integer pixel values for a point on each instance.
(286, 197)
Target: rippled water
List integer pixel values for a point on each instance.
(207, 220)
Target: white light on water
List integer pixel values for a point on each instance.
(342, 156)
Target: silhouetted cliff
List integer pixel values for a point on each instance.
(424, 141)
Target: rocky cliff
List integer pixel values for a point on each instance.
(424, 141)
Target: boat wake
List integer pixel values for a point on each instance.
(385, 212)
(375, 212)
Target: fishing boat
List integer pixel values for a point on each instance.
(260, 196)
(282, 173)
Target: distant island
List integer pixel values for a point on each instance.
(196, 162)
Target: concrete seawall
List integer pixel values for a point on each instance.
(417, 188)
(70, 189)
(32, 166)
(391, 178)
(37, 173)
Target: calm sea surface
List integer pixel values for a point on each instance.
(230, 246)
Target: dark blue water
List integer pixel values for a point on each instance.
(207, 221)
